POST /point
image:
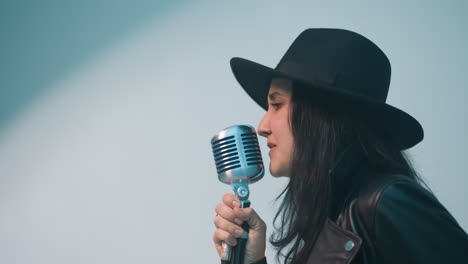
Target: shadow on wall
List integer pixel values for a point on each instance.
(44, 40)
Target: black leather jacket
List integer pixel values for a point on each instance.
(385, 219)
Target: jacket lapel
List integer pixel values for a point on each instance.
(334, 245)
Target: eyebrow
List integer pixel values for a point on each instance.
(274, 95)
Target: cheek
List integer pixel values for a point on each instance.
(291, 147)
(286, 131)
(281, 122)
(288, 139)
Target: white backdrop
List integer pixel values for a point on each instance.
(110, 161)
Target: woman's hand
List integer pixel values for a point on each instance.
(228, 223)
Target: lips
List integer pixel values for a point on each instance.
(271, 145)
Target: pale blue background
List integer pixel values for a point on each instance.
(107, 109)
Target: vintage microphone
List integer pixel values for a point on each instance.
(238, 162)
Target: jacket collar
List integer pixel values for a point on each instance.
(345, 177)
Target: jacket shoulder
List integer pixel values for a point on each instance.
(370, 196)
(404, 221)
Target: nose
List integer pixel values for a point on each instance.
(264, 126)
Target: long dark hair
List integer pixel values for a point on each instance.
(321, 132)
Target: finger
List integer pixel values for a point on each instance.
(221, 235)
(219, 245)
(229, 198)
(226, 212)
(251, 217)
(228, 226)
(221, 249)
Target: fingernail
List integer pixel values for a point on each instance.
(238, 232)
(238, 221)
(234, 243)
(235, 203)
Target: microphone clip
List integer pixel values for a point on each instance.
(241, 190)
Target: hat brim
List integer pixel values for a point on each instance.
(255, 79)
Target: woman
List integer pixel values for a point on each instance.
(352, 196)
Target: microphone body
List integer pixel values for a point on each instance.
(238, 162)
(237, 155)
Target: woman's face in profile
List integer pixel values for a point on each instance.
(275, 126)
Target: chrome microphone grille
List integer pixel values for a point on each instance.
(237, 154)
(252, 149)
(226, 154)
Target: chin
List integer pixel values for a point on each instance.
(275, 172)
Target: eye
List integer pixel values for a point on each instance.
(276, 106)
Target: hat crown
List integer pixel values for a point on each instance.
(339, 59)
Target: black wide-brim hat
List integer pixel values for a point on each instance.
(342, 66)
